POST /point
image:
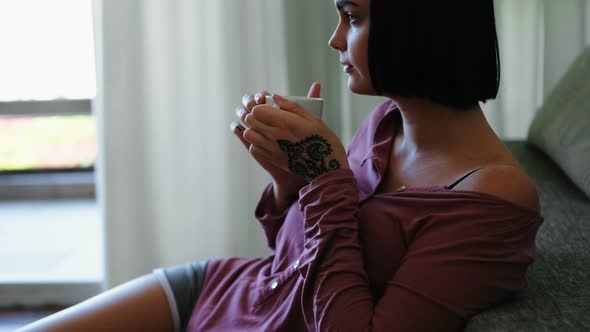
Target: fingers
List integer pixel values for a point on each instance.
(259, 122)
(249, 136)
(267, 115)
(260, 97)
(256, 139)
(289, 106)
(259, 149)
(249, 101)
(238, 130)
(241, 113)
(314, 90)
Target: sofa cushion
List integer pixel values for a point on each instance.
(558, 293)
(561, 127)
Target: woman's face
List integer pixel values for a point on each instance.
(350, 39)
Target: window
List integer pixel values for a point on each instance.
(47, 81)
(50, 243)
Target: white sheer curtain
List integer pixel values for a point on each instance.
(174, 184)
(539, 39)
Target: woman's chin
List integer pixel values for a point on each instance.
(360, 88)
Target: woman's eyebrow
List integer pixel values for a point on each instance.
(341, 3)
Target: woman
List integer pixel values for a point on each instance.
(425, 221)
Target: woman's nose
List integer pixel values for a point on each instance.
(336, 41)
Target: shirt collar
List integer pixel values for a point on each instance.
(383, 135)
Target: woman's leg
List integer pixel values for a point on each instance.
(138, 305)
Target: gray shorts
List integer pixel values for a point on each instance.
(182, 285)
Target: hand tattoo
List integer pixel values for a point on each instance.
(307, 158)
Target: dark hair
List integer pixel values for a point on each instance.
(443, 51)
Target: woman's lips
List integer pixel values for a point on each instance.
(348, 68)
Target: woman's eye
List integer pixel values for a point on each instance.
(350, 17)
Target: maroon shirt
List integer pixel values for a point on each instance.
(347, 259)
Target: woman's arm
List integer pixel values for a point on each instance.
(452, 269)
(452, 264)
(271, 215)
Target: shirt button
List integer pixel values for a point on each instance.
(402, 188)
(274, 284)
(296, 264)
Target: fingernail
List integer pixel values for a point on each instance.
(278, 98)
(257, 97)
(233, 125)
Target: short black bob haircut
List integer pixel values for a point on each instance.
(442, 51)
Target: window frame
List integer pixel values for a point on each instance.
(47, 183)
(19, 295)
(60, 186)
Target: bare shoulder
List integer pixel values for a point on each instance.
(508, 182)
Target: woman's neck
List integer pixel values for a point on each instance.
(428, 129)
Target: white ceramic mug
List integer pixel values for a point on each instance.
(312, 105)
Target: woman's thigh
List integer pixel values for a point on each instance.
(138, 305)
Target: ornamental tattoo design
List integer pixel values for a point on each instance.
(307, 158)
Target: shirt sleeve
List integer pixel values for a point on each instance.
(269, 216)
(449, 272)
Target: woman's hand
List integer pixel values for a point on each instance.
(285, 185)
(293, 139)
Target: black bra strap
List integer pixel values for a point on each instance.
(462, 178)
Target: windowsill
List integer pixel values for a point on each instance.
(12, 320)
(50, 252)
(22, 187)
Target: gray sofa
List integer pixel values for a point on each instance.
(558, 296)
